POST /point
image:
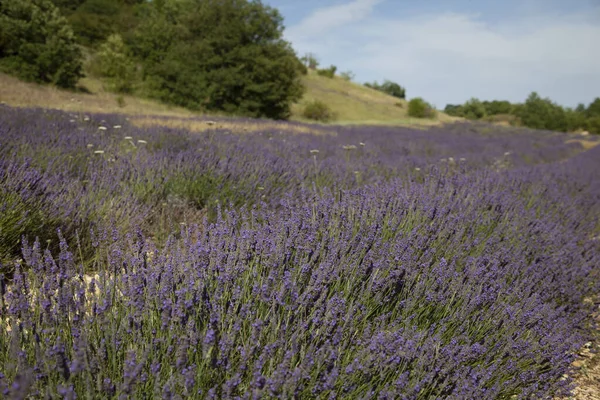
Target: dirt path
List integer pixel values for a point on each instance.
(587, 377)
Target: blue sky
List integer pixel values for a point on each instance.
(448, 51)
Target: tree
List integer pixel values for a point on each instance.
(539, 113)
(388, 87)
(218, 55)
(113, 62)
(310, 60)
(37, 44)
(454, 110)
(593, 110)
(474, 109)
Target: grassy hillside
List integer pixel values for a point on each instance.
(357, 104)
(353, 103)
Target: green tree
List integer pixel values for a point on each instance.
(218, 55)
(497, 107)
(593, 110)
(455, 110)
(388, 87)
(37, 44)
(539, 113)
(113, 62)
(474, 109)
(310, 60)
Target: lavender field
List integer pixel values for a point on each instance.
(459, 262)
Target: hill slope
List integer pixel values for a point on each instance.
(353, 103)
(358, 104)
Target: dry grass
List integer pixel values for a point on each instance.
(23, 94)
(357, 104)
(353, 103)
(586, 144)
(197, 125)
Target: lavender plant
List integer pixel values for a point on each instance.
(293, 278)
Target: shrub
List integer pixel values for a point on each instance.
(419, 108)
(593, 125)
(347, 75)
(389, 87)
(310, 60)
(327, 72)
(37, 44)
(474, 109)
(121, 101)
(318, 111)
(112, 61)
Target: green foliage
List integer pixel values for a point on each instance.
(497, 107)
(419, 108)
(347, 75)
(218, 55)
(593, 125)
(454, 110)
(310, 60)
(389, 87)
(17, 218)
(474, 109)
(327, 72)
(113, 62)
(318, 111)
(37, 44)
(593, 110)
(95, 20)
(541, 113)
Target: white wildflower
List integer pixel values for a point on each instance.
(314, 151)
(507, 153)
(117, 127)
(463, 159)
(142, 141)
(349, 147)
(128, 138)
(260, 188)
(71, 120)
(89, 146)
(102, 128)
(99, 152)
(86, 118)
(361, 143)
(417, 169)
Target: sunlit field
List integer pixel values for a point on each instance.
(292, 261)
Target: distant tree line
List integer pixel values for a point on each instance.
(536, 112)
(225, 55)
(388, 87)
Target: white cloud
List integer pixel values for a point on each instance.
(449, 57)
(328, 18)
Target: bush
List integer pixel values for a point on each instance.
(112, 61)
(474, 109)
(593, 125)
(347, 76)
(419, 108)
(389, 87)
(37, 44)
(327, 72)
(318, 111)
